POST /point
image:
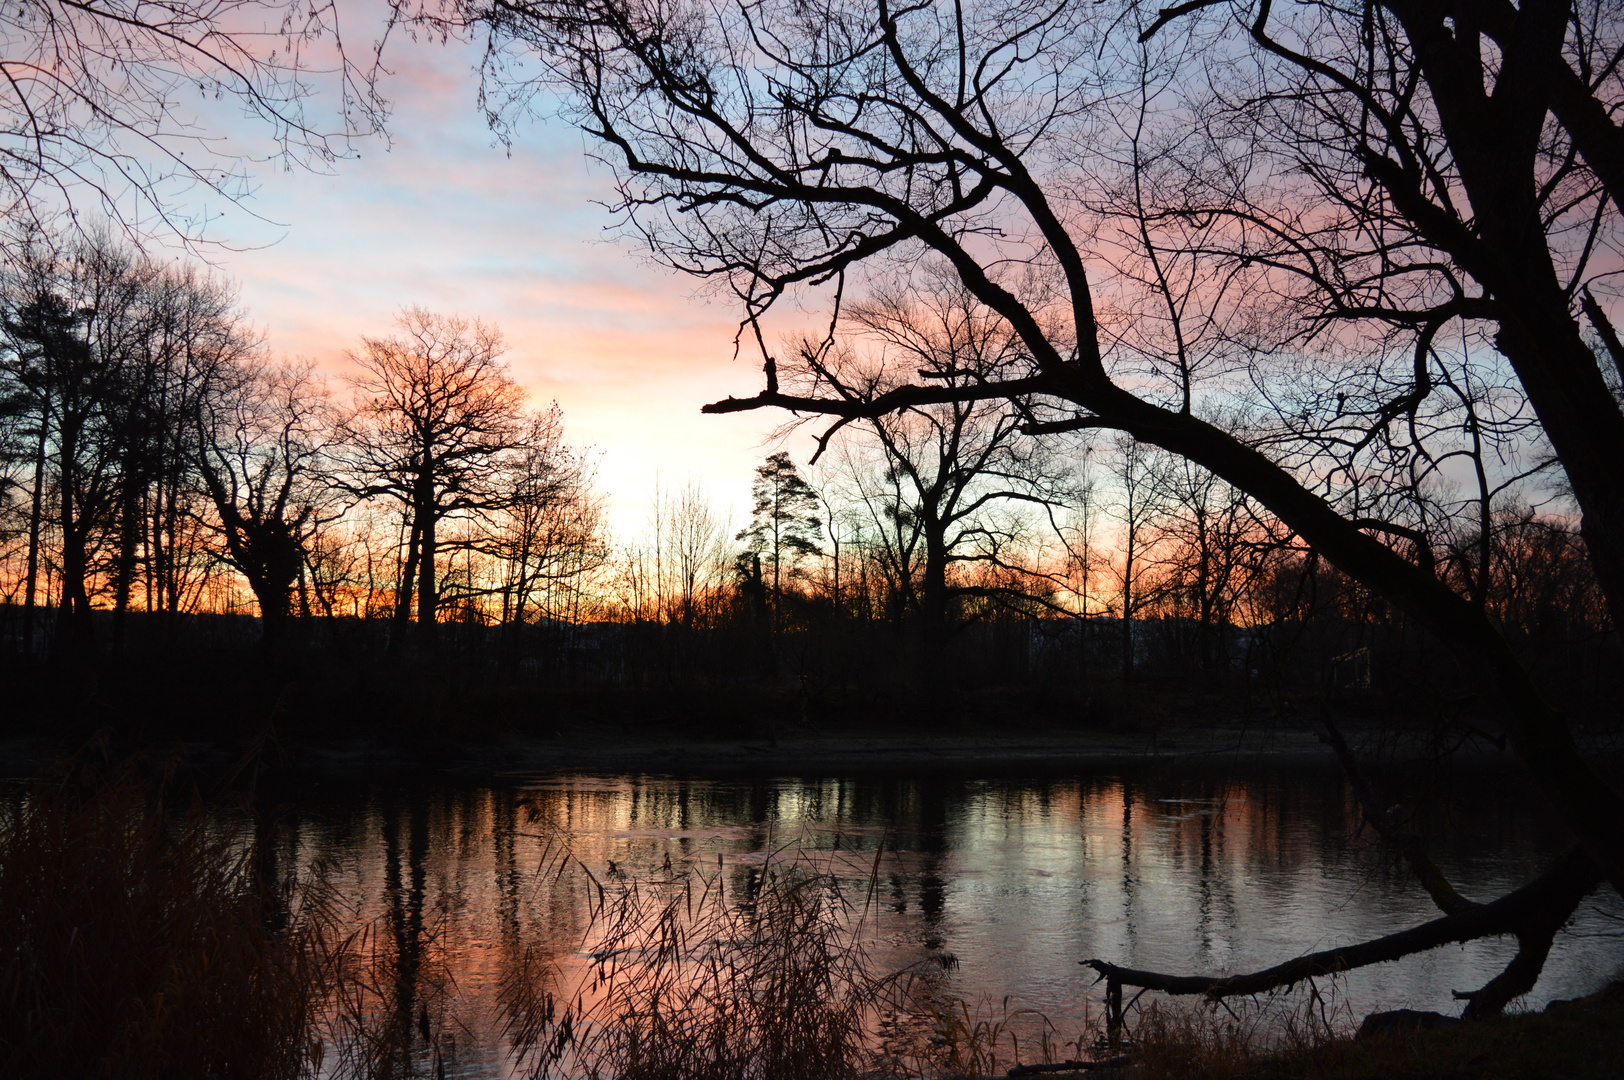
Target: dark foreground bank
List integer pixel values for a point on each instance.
(214, 707)
(1577, 1040)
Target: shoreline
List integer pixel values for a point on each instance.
(513, 757)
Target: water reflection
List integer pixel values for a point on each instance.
(1017, 879)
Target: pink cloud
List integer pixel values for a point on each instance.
(445, 220)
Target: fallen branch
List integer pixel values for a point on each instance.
(1555, 892)
(1534, 936)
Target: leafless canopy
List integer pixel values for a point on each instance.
(437, 416)
(117, 106)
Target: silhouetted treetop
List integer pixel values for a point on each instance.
(784, 525)
(436, 417)
(102, 105)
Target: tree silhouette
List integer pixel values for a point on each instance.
(76, 329)
(1138, 216)
(784, 526)
(95, 105)
(436, 417)
(949, 466)
(263, 446)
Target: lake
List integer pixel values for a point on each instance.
(998, 884)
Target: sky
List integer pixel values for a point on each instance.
(445, 218)
(440, 215)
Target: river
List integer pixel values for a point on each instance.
(999, 884)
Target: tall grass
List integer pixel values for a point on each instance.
(139, 942)
(768, 978)
(686, 982)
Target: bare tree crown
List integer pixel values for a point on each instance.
(103, 105)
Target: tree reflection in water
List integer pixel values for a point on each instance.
(997, 886)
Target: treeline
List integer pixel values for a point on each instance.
(1141, 570)
(157, 460)
(160, 466)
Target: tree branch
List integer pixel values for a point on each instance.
(1559, 889)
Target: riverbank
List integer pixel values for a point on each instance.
(1569, 1040)
(215, 714)
(1019, 748)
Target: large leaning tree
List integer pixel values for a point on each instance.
(1372, 233)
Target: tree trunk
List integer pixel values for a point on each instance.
(273, 614)
(76, 635)
(1540, 734)
(428, 594)
(36, 513)
(1128, 554)
(1565, 385)
(403, 594)
(933, 598)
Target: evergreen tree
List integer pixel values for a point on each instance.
(784, 525)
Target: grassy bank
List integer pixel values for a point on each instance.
(1579, 1040)
(1583, 1040)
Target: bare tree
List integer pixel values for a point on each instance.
(952, 463)
(889, 539)
(264, 455)
(1139, 503)
(549, 533)
(193, 332)
(1379, 178)
(76, 324)
(697, 536)
(1076, 532)
(109, 357)
(436, 416)
(1204, 551)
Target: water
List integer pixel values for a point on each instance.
(1018, 877)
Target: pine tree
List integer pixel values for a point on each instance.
(784, 525)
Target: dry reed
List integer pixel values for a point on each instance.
(138, 942)
(689, 982)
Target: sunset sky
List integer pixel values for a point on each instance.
(447, 220)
